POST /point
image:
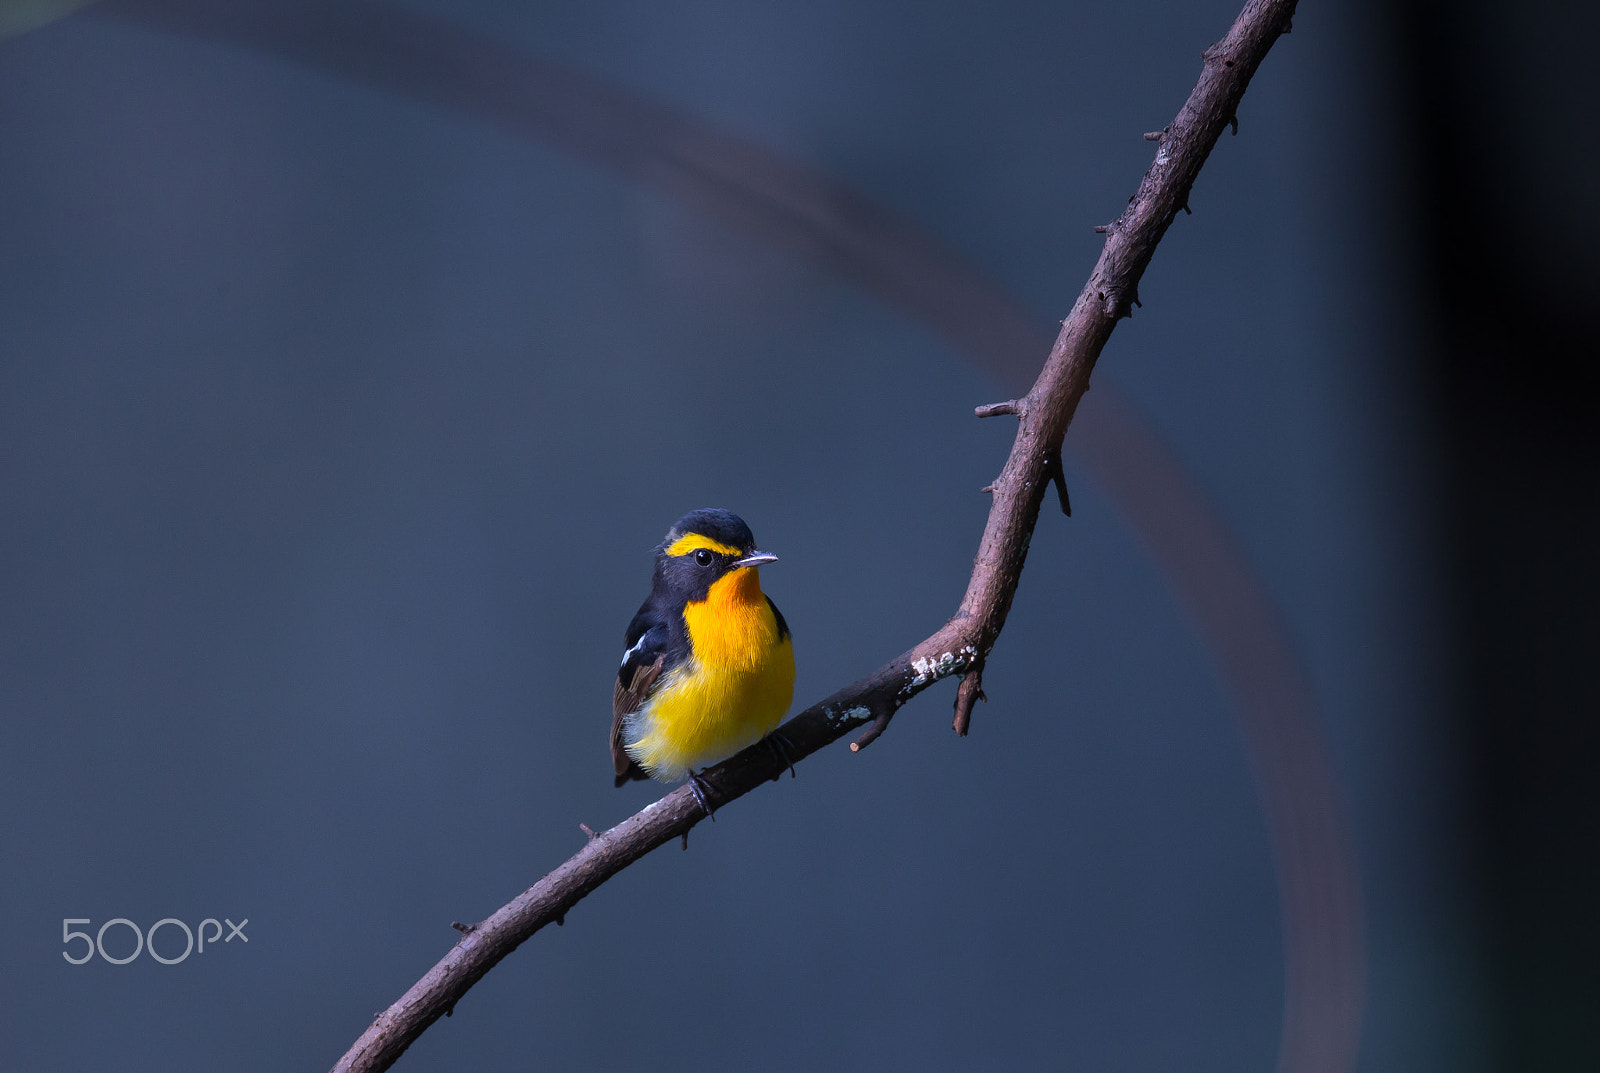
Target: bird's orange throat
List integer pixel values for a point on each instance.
(733, 626)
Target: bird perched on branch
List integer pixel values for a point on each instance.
(709, 667)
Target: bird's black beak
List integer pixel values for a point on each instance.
(755, 558)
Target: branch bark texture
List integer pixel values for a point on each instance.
(962, 644)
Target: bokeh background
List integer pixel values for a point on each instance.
(339, 413)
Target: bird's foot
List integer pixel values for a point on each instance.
(700, 787)
(784, 750)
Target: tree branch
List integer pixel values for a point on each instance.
(963, 643)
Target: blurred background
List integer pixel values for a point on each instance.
(354, 356)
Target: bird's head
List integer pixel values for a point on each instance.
(704, 547)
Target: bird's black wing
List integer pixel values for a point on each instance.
(783, 627)
(642, 665)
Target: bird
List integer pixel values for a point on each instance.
(709, 665)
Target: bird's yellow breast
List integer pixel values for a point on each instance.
(731, 692)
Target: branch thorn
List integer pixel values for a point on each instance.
(464, 929)
(586, 829)
(967, 693)
(987, 488)
(1054, 472)
(1154, 135)
(998, 409)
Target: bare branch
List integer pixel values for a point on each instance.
(963, 643)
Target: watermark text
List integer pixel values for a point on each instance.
(144, 942)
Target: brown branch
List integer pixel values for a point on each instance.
(963, 643)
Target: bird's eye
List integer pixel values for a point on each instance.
(704, 557)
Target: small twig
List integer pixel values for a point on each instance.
(969, 691)
(880, 723)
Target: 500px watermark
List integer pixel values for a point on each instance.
(146, 940)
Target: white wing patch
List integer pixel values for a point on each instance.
(637, 645)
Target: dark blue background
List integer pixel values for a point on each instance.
(336, 429)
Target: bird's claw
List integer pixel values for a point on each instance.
(700, 787)
(784, 750)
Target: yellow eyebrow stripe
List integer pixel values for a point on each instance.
(694, 542)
